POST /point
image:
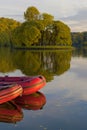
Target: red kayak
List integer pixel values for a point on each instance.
(10, 112)
(33, 101)
(9, 92)
(29, 84)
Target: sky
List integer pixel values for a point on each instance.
(71, 12)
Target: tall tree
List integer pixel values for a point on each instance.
(25, 35)
(32, 13)
(47, 19)
(61, 34)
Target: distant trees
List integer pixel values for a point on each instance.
(79, 39)
(85, 38)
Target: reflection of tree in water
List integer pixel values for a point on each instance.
(36, 63)
(80, 52)
(45, 63)
(56, 62)
(27, 62)
(6, 63)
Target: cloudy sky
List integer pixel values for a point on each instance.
(73, 13)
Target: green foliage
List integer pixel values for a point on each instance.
(47, 19)
(38, 24)
(79, 39)
(4, 39)
(31, 14)
(85, 37)
(38, 29)
(25, 35)
(17, 37)
(52, 32)
(57, 33)
(61, 33)
(6, 27)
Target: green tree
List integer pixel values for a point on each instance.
(25, 35)
(61, 34)
(6, 27)
(32, 13)
(47, 19)
(39, 29)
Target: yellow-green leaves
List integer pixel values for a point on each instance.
(25, 35)
(32, 13)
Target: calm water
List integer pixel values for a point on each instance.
(65, 92)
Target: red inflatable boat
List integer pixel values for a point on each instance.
(33, 101)
(9, 92)
(29, 84)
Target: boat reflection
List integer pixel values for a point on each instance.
(10, 112)
(34, 101)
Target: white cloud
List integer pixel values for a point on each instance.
(77, 22)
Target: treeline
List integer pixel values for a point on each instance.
(79, 39)
(37, 30)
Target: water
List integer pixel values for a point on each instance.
(65, 91)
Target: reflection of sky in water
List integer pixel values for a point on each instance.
(14, 73)
(67, 97)
(73, 83)
(66, 107)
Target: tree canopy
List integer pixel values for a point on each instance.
(6, 27)
(32, 13)
(38, 29)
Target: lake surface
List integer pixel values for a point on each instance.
(65, 92)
